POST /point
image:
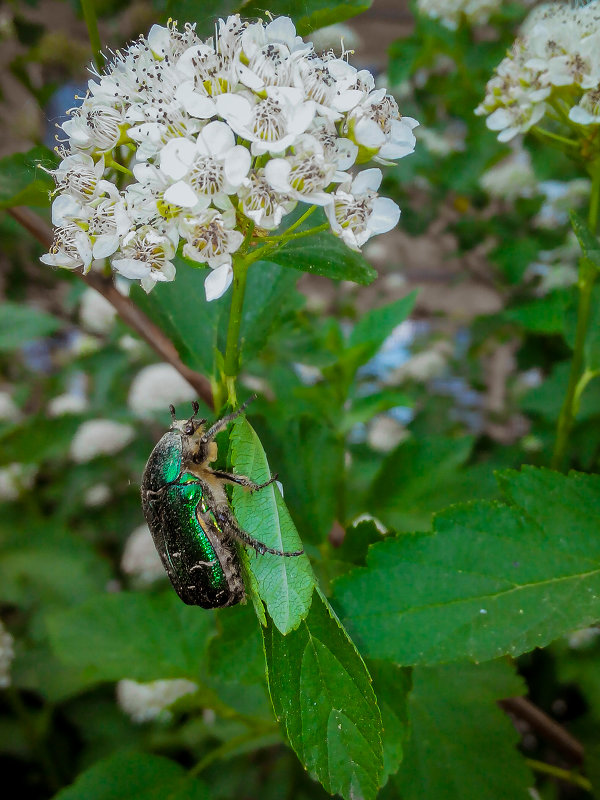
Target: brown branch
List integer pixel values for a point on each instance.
(126, 309)
(545, 726)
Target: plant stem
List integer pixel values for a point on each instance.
(585, 283)
(227, 747)
(561, 774)
(302, 219)
(232, 348)
(89, 14)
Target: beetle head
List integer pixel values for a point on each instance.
(187, 426)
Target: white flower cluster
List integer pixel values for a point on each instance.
(148, 701)
(99, 437)
(451, 12)
(553, 66)
(189, 144)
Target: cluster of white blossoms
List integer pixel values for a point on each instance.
(451, 12)
(193, 146)
(552, 68)
(148, 701)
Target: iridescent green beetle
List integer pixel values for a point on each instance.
(189, 515)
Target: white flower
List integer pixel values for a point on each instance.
(144, 702)
(71, 248)
(94, 127)
(583, 639)
(305, 174)
(587, 111)
(97, 495)
(511, 178)
(357, 212)
(450, 12)
(15, 479)
(95, 312)
(80, 176)
(262, 204)
(155, 387)
(272, 124)
(146, 255)
(209, 168)
(377, 127)
(210, 240)
(9, 412)
(385, 433)
(99, 437)
(7, 653)
(140, 558)
(69, 403)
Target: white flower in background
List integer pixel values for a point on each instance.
(15, 479)
(561, 197)
(68, 403)
(451, 12)
(9, 412)
(99, 437)
(155, 387)
(200, 141)
(583, 639)
(97, 495)
(95, 312)
(357, 212)
(511, 178)
(385, 433)
(140, 558)
(554, 61)
(7, 653)
(144, 702)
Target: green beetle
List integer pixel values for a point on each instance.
(189, 516)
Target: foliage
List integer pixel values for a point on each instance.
(447, 568)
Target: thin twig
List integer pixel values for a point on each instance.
(545, 726)
(127, 310)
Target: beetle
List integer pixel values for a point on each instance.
(189, 516)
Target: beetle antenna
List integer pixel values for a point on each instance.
(221, 424)
(195, 408)
(172, 410)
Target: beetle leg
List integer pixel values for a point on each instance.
(229, 524)
(221, 424)
(242, 480)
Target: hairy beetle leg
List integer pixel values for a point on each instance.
(243, 480)
(229, 523)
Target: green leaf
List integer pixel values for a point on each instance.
(321, 692)
(376, 325)
(590, 246)
(309, 15)
(547, 399)
(23, 182)
(545, 315)
(135, 776)
(325, 254)
(285, 584)
(421, 476)
(491, 579)
(392, 686)
(462, 745)
(136, 636)
(182, 312)
(38, 439)
(365, 407)
(235, 654)
(20, 324)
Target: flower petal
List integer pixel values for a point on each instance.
(176, 157)
(181, 194)
(218, 281)
(384, 215)
(237, 164)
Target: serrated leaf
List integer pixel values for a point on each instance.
(23, 182)
(491, 579)
(136, 636)
(37, 439)
(135, 776)
(322, 694)
(325, 254)
(309, 15)
(544, 315)
(452, 711)
(20, 324)
(285, 583)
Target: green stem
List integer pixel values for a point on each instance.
(585, 283)
(89, 14)
(226, 748)
(302, 219)
(232, 348)
(561, 774)
(276, 242)
(555, 137)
